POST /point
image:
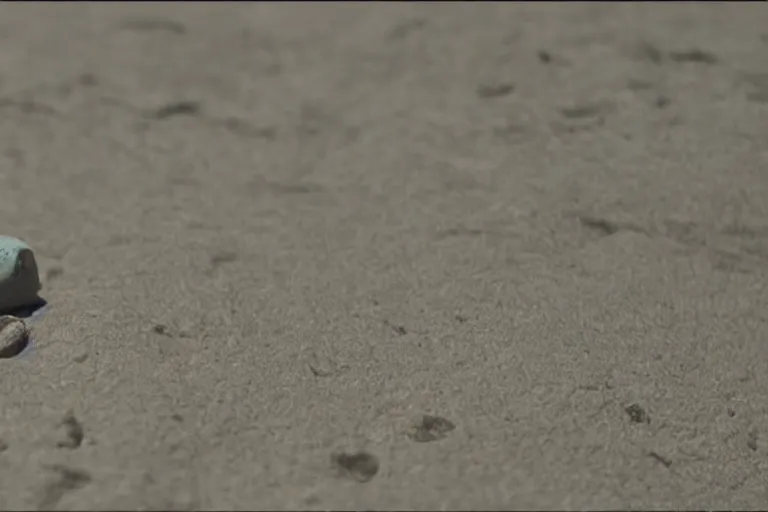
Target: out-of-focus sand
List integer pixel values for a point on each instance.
(273, 237)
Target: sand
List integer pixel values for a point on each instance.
(388, 256)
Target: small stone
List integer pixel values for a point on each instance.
(19, 278)
(14, 336)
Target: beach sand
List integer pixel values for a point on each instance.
(388, 256)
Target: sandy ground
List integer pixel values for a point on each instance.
(384, 256)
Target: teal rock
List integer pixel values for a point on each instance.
(19, 278)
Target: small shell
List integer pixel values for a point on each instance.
(14, 336)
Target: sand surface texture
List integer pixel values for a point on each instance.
(370, 256)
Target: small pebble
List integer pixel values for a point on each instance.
(14, 336)
(19, 279)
